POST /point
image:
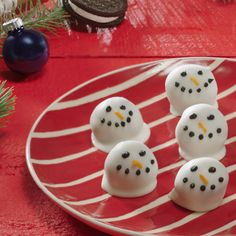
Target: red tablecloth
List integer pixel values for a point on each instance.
(152, 29)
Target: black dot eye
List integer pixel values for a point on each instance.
(142, 153)
(108, 109)
(193, 116)
(210, 80)
(103, 121)
(221, 179)
(185, 180)
(122, 107)
(125, 155)
(200, 72)
(203, 188)
(184, 73)
(212, 169)
(219, 130)
(152, 162)
(176, 84)
(194, 168)
(131, 113)
(185, 128)
(211, 117)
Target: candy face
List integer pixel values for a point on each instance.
(202, 131)
(188, 85)
(200, 184)
(130, 170)
(114, 120)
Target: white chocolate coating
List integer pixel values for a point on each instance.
(130, 170)
(200, 184)
(114, 120)
(188, 85)
(202, 131)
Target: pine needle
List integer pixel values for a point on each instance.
(37, 16)
(7, 103)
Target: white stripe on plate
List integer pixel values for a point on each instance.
(160, 201)
(221, 229)
(76, 182)
(59, 133)
(188, 218)
(115, 89)
(65, 158)
(88, 201)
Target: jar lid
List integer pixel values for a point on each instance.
(12, 24)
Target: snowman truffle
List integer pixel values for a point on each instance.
(130, 170)
(188, 85)
(200, 184)
(202, 131)
(114, 120)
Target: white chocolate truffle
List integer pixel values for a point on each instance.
(188, 85)
(130, 170)
(114, 120)
(200, 184)
(202, 131)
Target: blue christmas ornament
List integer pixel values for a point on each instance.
(24, 51)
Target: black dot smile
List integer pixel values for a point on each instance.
(203, 188)
(176, 84)
(191, 134)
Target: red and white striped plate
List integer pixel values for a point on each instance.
(66, 166)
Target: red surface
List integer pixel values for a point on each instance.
(152, 29)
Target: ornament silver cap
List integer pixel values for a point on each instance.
(12, 24)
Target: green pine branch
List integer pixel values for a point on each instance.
(7, 103)
(37, 16)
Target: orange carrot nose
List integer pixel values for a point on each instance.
(203, 179)
(119, 115)
(138, 164)
(202, 126)
(194, 80)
